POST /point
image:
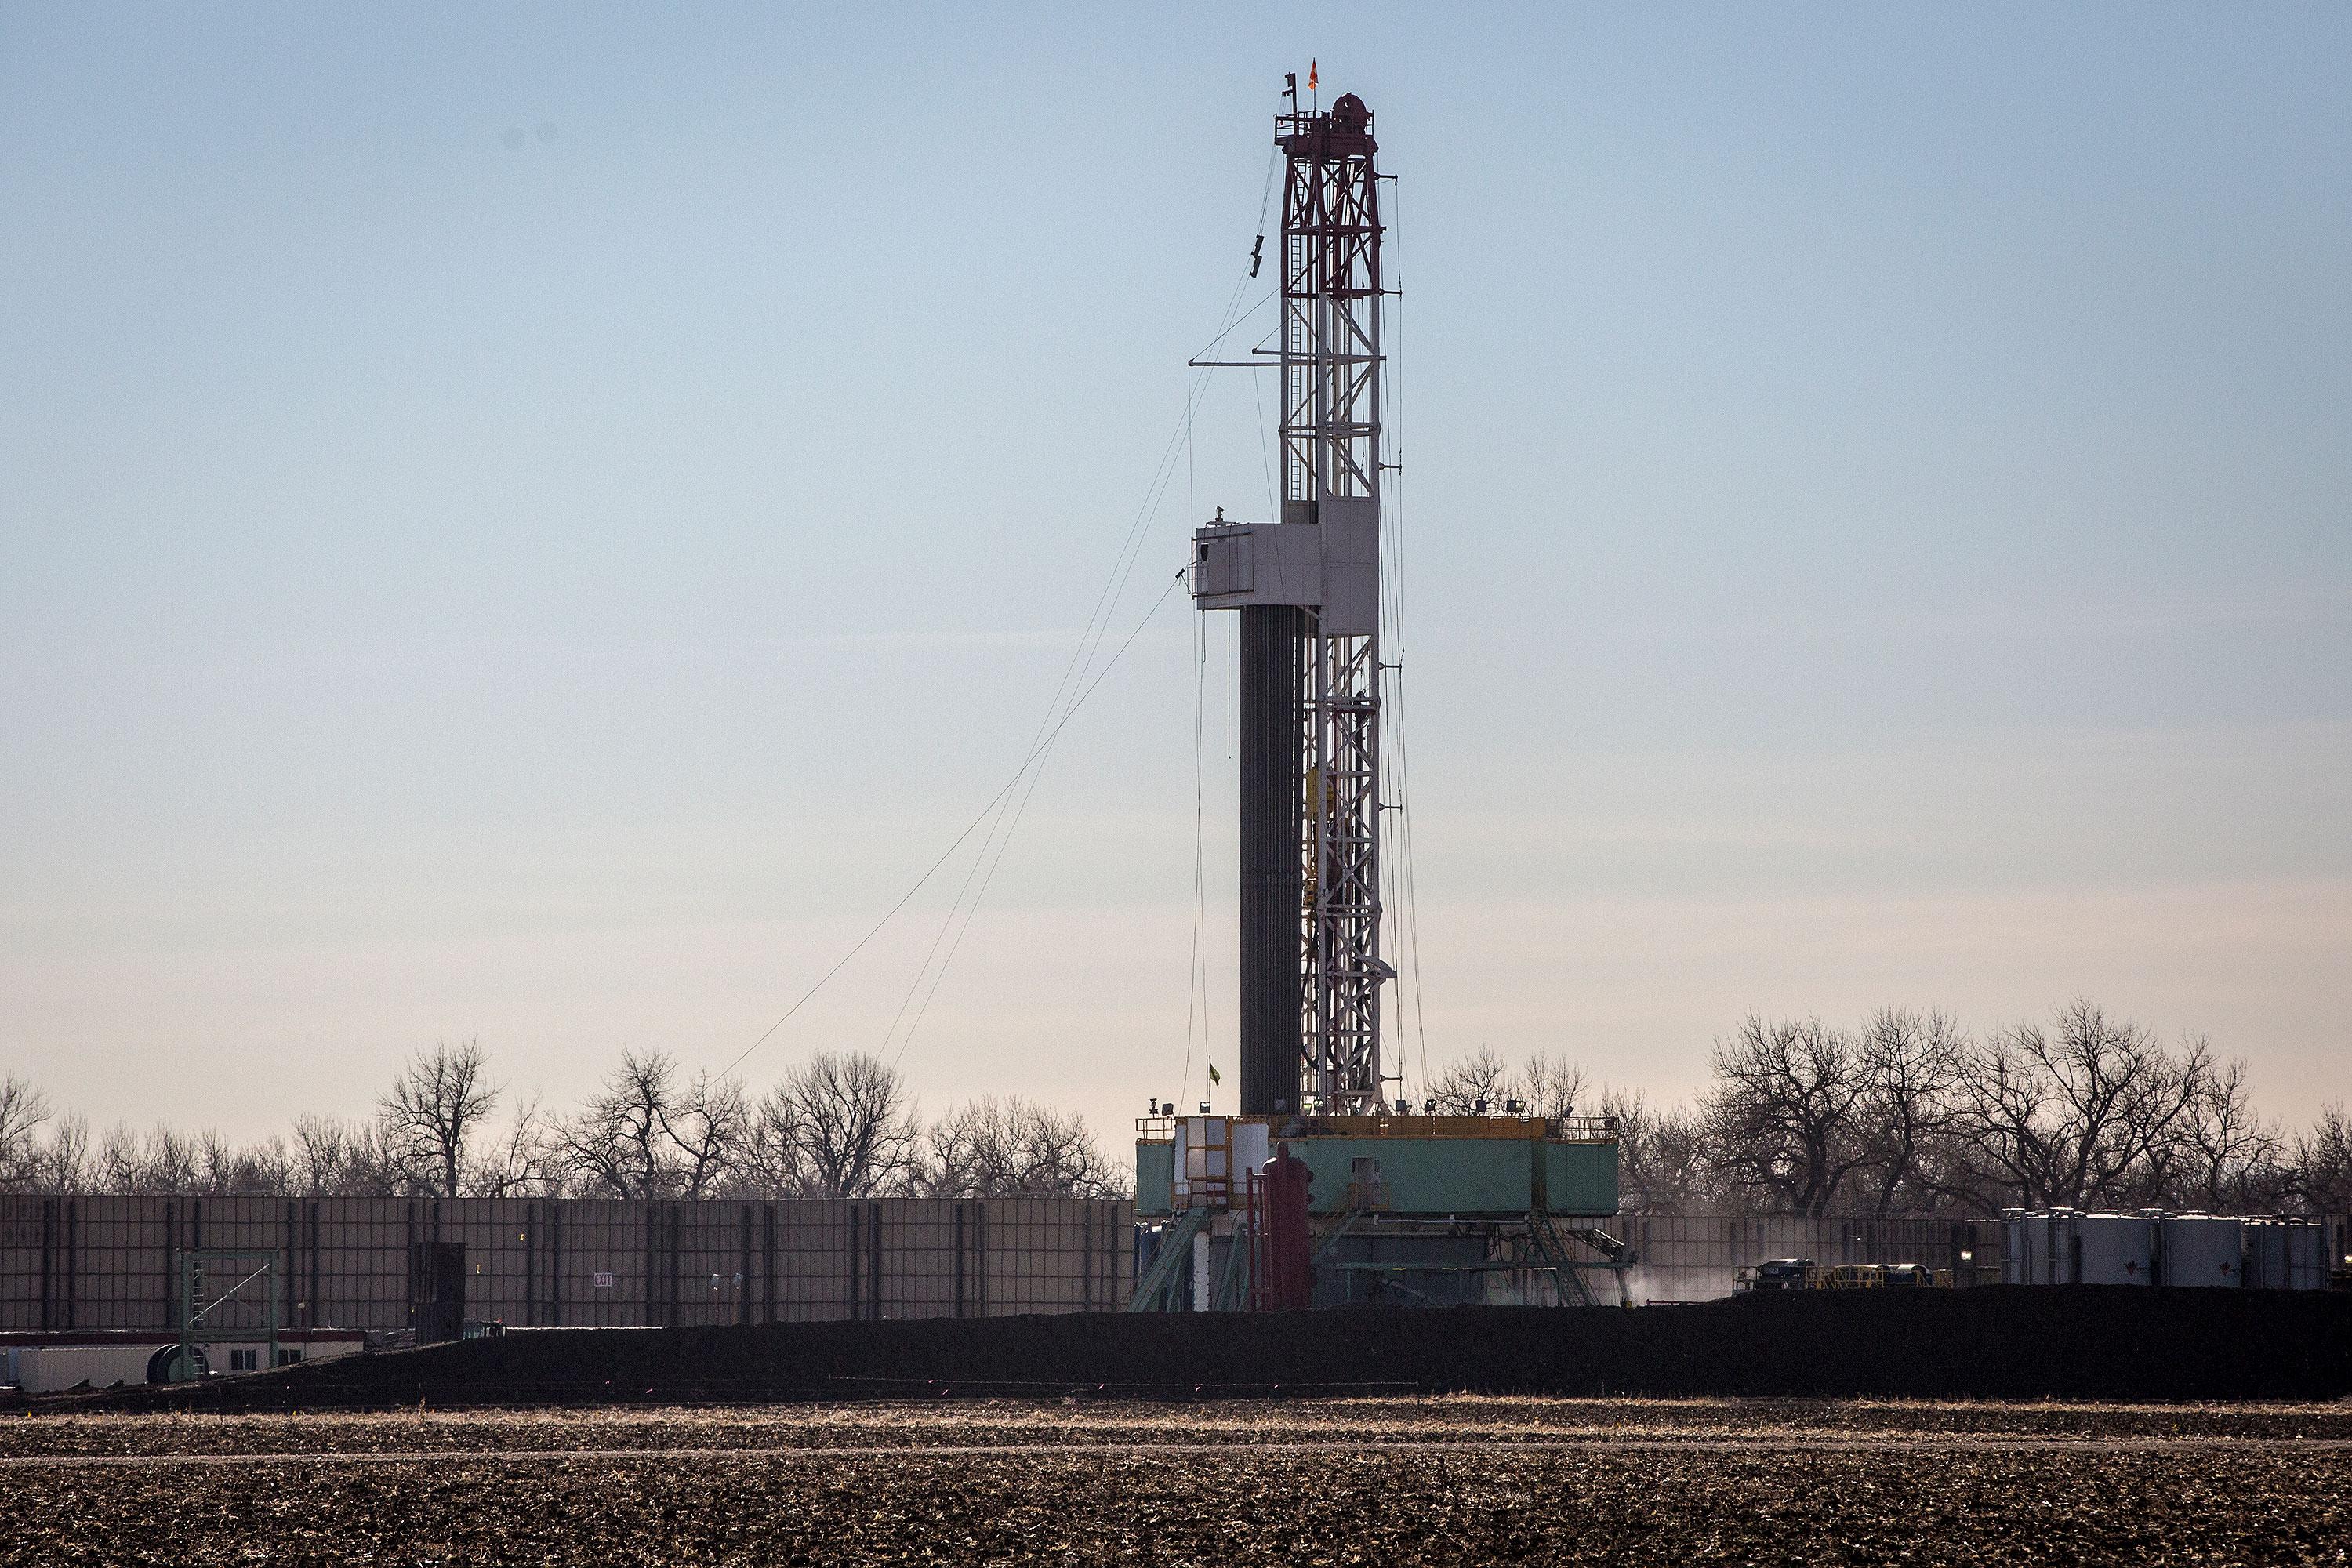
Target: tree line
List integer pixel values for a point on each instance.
(837, 1125)
(1909, 1113)
(1905, 1113)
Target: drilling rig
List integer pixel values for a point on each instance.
(1308, 588)
(1411, 1207)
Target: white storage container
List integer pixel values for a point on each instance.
(2286, 1254)
(48, 1368)
(2202, 1250)
(2307, 1259)
(2061, 1259)
(2115, 1249)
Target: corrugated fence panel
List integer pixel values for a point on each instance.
(27, 1231)
(809, 1259)
(92, 1262)
(124, 1264)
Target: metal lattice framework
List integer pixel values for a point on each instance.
(1330, 438)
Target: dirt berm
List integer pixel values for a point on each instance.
(2075, 1342)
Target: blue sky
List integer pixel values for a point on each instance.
(541, 523)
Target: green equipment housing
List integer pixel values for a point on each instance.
(1410, 1210)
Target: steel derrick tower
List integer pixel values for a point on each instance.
(1306, 586)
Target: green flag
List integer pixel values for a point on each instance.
(1214, 1075)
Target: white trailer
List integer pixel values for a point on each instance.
(55, 1359)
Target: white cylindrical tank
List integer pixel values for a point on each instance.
(2034, 1259)
(2265, 1255)
(2066, 1247)
(2307, 1260)
(2201, 1250)
(2115, 1249)
(2286, 1254)
(2013, 1247)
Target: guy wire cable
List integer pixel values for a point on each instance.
(992, 847)
(1035, 774)
(1090, 641)
(1011, 810)
(1003, 790)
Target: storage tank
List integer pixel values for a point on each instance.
(2265, 1255)
(2060, 1254)
(2046, 1244)
(2286, 1254)
(2012, 1247)
(2035, 1258)
(2308, 1259)
(2199, 1249)
(2115, 1249)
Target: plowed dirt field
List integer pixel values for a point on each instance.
(1447, 1480)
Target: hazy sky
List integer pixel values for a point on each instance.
(538, 524)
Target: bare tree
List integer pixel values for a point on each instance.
(23, 1111)
(323, 1158)
(1678, 1155)
(375, 1164)
(857, 1134)
(646, 1135)
(1910, 1064)
(216, 1164)
(116, 1168)
(167, 1162)
(1663, 1161)
(775, 1162)
(216, 1167)
(709, 1128)
(319, 1145)
(435, 1105)
(525, 1163)
(617, 1146)
(2225, 1158)
(264, 1167)
(1784, 1113)
(2075, 1115)
(1472, 1084)
(64, 1159)
(1551, 1084)
(2323, 1162)
(1014, 1148)
(1907, 1114)
(324, 1152)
